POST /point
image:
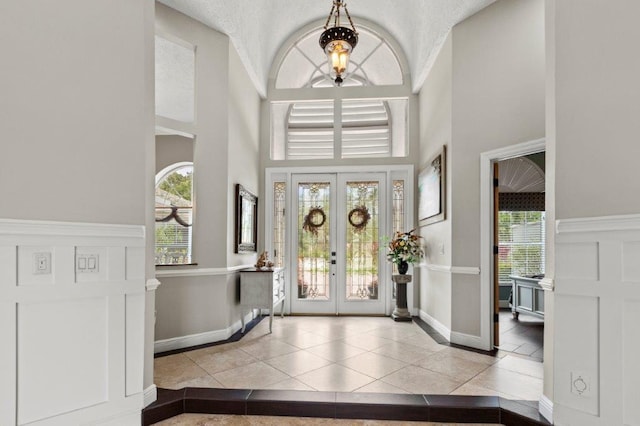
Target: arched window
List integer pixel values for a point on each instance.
(174, 214)
(363, 123)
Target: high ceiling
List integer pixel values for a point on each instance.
(258, 28)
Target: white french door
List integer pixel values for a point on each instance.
(337, 266)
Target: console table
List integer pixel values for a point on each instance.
(262, 289)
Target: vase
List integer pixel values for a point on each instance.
(403, 267)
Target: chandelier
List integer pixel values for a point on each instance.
(338, 42)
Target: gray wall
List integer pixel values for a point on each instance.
(490, 86)
(171, 149)
(77, 116)
(435, 131)
(592, 150)
(225, 152)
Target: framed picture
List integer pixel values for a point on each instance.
(432, 189)
(246, 220)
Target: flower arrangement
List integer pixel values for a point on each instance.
(405, 247)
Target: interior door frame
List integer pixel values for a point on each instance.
(393, 172)
(486, 339)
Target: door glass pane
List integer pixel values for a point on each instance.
(362, 249)
(279, 222)
(313, 240)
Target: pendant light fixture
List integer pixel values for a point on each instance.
(338, 42)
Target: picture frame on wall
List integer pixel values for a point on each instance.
(246, 220)
(432, 189)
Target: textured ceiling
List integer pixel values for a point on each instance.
(258, 28)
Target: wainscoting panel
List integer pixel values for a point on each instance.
(71, 323)
(597, 313)
(631, 356)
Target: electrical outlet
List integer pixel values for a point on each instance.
(580, 384)
(42, 263)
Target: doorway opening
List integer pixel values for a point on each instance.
(519, 254)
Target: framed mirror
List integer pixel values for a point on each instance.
(246, 220)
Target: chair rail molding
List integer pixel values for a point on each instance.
(198, 272)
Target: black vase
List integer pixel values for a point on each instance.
(403, 267)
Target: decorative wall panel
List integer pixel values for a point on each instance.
(597, 312)
(71, 325)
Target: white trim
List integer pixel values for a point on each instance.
(152, 284)
(467, 340)
(463, 270)
(199, 338)
(172, 168)
(545, 407)
(547, 284)
(629, 222)
(69, 229)
(198, 272)
(486, 231)
(150, 395)
(437, 325)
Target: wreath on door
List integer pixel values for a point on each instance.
(359, 218)
(314, 220)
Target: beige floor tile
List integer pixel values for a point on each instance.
(290, 384)
(458, 368)
(366, 341)
(297, 363)
(199, 382)
(521, 365)
(335, 378)
(380, 387)
(335, 350)
(404, 352)
(172, 371)
(469, 355)
(469, 389)
(253, 376)
(509, 382)
(373, 364)
(199, 355)
(268, 347)
(417, 380)
(306, 340)
(227, 360)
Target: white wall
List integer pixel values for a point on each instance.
(171, 149)
(593, 97)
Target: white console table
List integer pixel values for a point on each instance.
(262, 289)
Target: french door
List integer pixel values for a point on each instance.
(338, 220)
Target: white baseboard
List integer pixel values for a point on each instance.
(199, 338)
(150, 395)
(467, 340)
(437, 325)
(545, 407)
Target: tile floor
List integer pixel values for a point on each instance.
(214, 419)
(523, 336)
(350, 354)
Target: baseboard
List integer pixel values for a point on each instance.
(545, 407)
(150, 395)
(199, 338)
(437, 325)
(467, 340)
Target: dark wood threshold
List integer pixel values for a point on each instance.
(343, 405)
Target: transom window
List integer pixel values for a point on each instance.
(174, 215)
